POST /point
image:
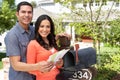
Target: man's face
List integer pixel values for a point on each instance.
(24, 15)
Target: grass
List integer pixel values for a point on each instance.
(1, 65)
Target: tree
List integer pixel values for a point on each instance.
(93, 19)
(11, 3)
(89, 19)
(113, 33)
(34, 4)
(7, 17)
(58, 26)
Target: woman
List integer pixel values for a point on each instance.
(43, 45)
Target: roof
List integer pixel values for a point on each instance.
(39, 11)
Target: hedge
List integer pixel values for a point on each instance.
(2, 55)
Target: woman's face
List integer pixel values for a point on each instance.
(44, 28)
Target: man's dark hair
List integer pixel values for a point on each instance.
(23, 3)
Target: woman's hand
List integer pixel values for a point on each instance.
(59, 63)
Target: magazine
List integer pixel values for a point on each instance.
(55, 57)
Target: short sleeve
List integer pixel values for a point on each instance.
(11, 42)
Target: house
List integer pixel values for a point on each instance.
(2, 44)
(39, 11)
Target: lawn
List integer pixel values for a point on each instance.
(1, 64)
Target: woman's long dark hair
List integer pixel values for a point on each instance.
(50, 37)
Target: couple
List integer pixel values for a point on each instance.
(28, 48)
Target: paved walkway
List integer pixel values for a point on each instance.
(5, 69)
(3, 74)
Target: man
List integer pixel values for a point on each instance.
(16, 42)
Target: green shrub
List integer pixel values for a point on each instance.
(109, 65)
(105, 74)
(2, 55)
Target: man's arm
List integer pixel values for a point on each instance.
(21, 66)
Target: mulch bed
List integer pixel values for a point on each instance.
(117, 77)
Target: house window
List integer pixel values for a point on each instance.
(0, 44)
